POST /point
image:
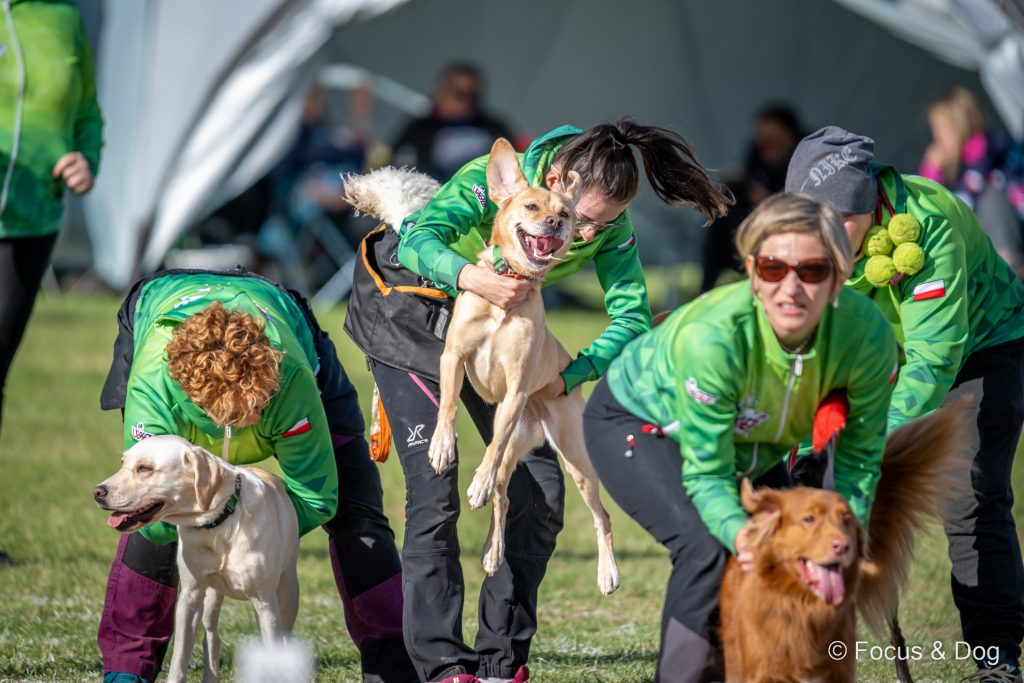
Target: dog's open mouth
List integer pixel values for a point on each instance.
(539, 248)
(826, 580)
(123, 521)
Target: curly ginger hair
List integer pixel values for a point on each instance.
(225, 364)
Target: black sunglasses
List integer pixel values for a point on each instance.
(811, 271)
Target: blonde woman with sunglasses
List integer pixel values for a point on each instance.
(725, 388)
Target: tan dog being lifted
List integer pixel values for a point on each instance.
(509, 355)
(238, 535)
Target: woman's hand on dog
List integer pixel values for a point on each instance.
(552, 389)
(503, 292)
(743, 553)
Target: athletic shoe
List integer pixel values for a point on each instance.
(522, 676)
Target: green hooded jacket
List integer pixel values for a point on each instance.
(446, 234)
(964, 298)
(293, 426)
(48, 108)
(714, 377)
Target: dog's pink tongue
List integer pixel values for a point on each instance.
(831, 589)
(546, 244)
(115, 520)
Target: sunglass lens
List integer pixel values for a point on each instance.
(813, 272)
(772, 271)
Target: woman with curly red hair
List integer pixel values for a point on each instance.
(239, 365)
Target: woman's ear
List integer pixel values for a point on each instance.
(748, 264)
(551, 178)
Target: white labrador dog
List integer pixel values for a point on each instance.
(238, 536)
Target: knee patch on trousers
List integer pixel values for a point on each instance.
(156, 562)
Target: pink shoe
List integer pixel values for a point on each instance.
(460, 678)
(522, 675)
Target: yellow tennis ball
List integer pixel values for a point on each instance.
(904, 228)
(879, 270)
(908, 258)
(877, 242)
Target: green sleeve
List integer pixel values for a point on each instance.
(145, 415)
(458, 207)
(625, 300)
(88, 119)
(862, 443)
(707, 395)
(935, 331)
(307, 458)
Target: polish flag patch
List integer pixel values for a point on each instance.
(300, 427)
(895, 374)
(628, 243)
(936, 289)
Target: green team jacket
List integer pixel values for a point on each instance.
(293, 426)
(965, 297)
(58, 111)
(714, 377)
(447, 233)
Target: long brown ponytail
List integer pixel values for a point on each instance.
(602, 157)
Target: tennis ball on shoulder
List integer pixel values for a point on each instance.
(904, 228)
(908, 258)
(877, 242)
(879, 270)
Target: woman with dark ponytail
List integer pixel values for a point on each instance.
(403, 338)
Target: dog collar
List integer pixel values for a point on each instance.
(501, 266)
(229, 507)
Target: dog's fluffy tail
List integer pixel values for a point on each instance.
(389, 194)
(926, 462)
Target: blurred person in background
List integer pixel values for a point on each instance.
(51, 133)
(777, 130)
(975, 161)
(456, 131)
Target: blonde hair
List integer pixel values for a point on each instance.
(961, 110)
(225, 364)
(798, 212)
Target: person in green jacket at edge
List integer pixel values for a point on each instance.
(51, 133)
(439, 244)
(239, 365)
(958, 312)
(725, 388)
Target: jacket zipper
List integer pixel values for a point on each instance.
(226, 448)
(17, 107)
(795, 370)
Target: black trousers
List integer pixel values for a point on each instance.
(646, 481)
(988, 575)
(23, 261)
(433, 586)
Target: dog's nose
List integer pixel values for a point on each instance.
(840, 546)
(552, 221)
(99, 492)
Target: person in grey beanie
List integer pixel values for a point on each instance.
(959, 309)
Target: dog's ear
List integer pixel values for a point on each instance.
(765, 500)
(207, 475)
(765, 512)
(573, 187)
(504, 174)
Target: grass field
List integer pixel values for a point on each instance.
(56, 444)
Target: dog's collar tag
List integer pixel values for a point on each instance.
(229, 507)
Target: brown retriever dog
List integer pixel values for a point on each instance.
(813, 570)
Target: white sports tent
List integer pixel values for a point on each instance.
(201, 98)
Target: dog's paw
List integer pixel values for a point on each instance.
(442, 450)
(607, 577)
(481, 489)
(494, 555)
